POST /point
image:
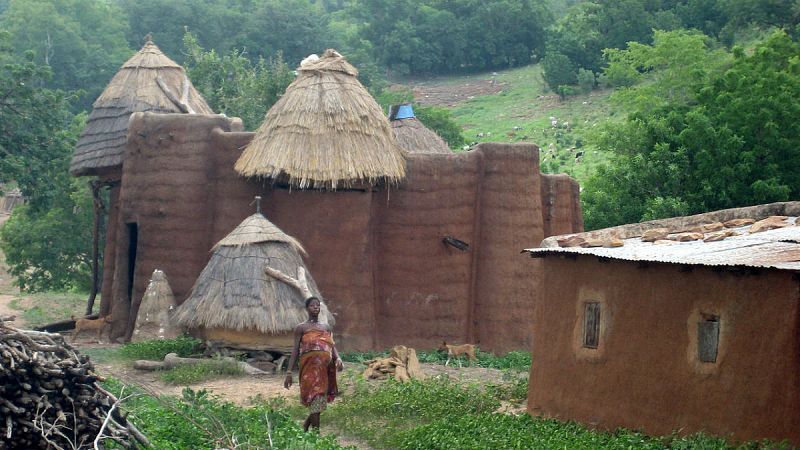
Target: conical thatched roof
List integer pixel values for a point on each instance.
(233, 292)
(412, 135)
(325, 132)
(149, 81)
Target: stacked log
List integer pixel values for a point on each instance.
(49, 397)
(402, 364)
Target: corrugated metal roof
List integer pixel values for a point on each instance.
(778, 249)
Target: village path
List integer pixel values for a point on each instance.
(7, 290)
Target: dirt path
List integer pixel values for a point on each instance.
(8, 291)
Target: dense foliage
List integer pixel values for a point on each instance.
(47, 241)
(234, 85)
(733, 144)
(81, 41)
(587, 28)
(436, 36)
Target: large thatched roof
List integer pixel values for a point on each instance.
(149, 81)
(233, 292)
(325, 132)
(412, 135)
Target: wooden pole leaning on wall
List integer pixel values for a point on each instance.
(98, 209)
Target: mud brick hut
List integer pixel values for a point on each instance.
(148, 81)
(411, 134)
(409, 248)
(692, 325)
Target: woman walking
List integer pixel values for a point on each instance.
(319, 362)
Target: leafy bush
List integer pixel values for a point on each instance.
(158, 348)
(558, 70)
(586, 80)
(441, 121)
(200, 421)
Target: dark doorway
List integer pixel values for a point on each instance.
(133, 244)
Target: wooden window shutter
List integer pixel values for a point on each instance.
(591, 325)
(708, 339)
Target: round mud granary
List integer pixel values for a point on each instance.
(234, 303)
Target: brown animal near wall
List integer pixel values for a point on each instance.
(454, 351)
(96, 325)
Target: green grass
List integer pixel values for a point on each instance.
(157, 349)
(200, 421)
(512, 360)
(46, 307)
(526, 102)
(207, 370)
(440, 414)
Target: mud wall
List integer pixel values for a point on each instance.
(377, 255)
(645, 373)
(561, 203)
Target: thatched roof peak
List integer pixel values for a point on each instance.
(255, 229)
(331, 60)
(150, 57)
(325, 132)
(148, 81)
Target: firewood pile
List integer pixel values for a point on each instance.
(50, 399)
(402, 364)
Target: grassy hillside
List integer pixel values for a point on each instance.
(516, 106)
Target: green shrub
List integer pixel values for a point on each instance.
(558, 70)
(586, 80)
(199, 421)
(158, 348)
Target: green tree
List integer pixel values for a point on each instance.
(671, 70)
(82, 41)
(735, 144)
(558, 70)
(235, 86)
(46, 240)
(216, 23)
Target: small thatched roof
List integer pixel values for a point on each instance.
(233, 292)
(149, 81)
(412, 135)
(325, 132)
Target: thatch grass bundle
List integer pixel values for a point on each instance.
(233, 292)
(325, 132)
(148, 81)
(414, 137)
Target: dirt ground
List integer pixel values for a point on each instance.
(436, 93)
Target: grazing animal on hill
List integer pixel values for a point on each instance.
(96, 325)
(454, 351)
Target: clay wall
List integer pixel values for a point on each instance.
(377, 255)
(646, 373)
(561, 205)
